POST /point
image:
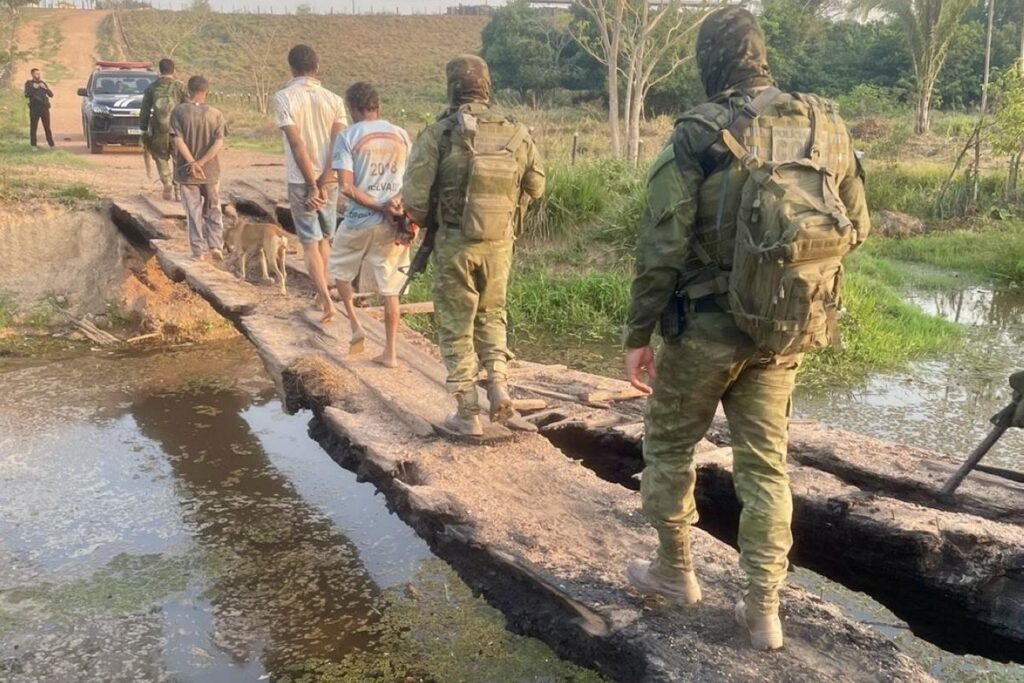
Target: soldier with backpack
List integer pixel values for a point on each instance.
(750, 210)
(472, 172)
(158, 101)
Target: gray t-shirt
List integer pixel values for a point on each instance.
(200, 126)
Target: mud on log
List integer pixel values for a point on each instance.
(542, 537)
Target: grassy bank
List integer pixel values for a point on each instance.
(993, 251)
(28, 175)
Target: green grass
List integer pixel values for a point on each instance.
(21, 168)
(994, 251)
(6, 311)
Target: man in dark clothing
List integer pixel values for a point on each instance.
(198, 131)
(38, 94)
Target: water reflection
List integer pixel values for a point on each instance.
(288, 586)
(162, 520)
(1001, 309)
(940, 404)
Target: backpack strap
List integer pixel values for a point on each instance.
(716, 154)
(517, 139)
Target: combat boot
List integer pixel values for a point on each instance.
(466, 418)
(650, 578)
(762, 623)
(501, 402)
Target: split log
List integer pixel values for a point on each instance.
(929, 566)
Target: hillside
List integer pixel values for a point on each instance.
(246, 54)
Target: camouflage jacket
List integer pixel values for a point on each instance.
(452, 172)
(683, 203)
(179, 94)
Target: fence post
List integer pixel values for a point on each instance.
(575, 146)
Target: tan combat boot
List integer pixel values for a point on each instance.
(501, 402)
(762, 623)
(650, 578)
(466, 419)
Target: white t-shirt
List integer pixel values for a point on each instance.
(376, 153)
(314, 110)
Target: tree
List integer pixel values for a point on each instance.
(931, 26)
(640, 46)
(1007, 133)
(10, 55)
(256, 62)
(524, 49)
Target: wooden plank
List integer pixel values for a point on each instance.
(223, 290)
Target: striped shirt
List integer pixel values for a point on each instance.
(313, 109)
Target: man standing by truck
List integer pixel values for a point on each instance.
(159, 100)
(38, 94)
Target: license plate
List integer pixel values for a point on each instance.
(134, 131)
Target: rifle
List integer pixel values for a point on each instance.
(422, 256)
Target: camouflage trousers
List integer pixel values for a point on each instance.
(160, 151)
(470, 283)
(715, 362)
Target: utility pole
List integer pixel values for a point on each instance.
(984, 101)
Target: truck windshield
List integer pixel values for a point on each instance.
(122, 85)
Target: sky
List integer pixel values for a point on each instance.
(339, 6)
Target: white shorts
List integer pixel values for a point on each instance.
(372, 250)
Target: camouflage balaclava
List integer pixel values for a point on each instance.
(731, 52)
(469, 80)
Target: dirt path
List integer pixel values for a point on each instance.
(74, 60)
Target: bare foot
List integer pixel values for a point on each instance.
(357, 344)
(328, 315)
(386, 361)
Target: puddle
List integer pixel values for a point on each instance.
(165, 520)
(941, 404)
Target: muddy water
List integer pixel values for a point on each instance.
(162, 519)
(941, 404)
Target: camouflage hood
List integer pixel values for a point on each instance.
(469, 80)
(731, 52)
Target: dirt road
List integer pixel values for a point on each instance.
(73, 61)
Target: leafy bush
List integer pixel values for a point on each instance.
(868, 100)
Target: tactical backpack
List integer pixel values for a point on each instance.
(164, 102)
(792, 233)
(493, 185)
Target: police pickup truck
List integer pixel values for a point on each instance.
(111, 103)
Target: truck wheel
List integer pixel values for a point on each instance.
(94, 147)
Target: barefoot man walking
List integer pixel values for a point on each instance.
(370, 158)
(310, 116)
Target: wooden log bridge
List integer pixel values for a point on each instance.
(541, 536)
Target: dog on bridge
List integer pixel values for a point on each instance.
(244, 238)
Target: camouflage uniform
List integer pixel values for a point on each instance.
(691, 208)
(158, 142)
(470, 276)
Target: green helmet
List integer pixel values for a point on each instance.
(469, 80)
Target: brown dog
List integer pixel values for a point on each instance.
(243, 239)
